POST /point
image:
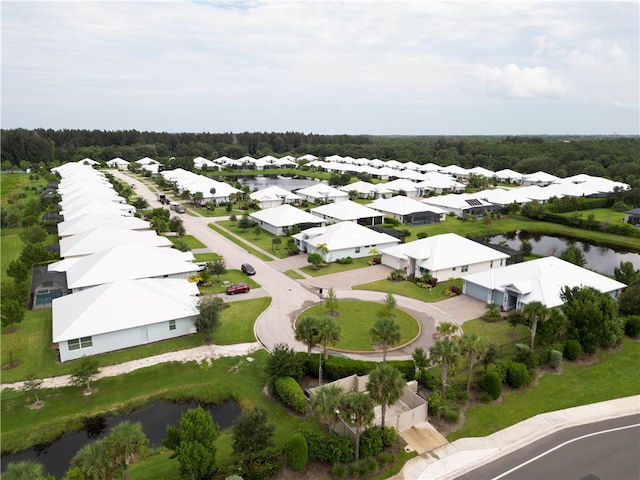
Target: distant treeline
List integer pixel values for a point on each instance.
(617, 158)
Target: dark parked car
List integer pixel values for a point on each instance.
(248, 269)
(238, 288)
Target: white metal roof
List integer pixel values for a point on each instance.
(284, 216)
(542, 279)
(121, 305)
(345, 211)
(90, 221)
(343, 235)
(274, 192)
(322, 191)
(99, 239)
(401, 205)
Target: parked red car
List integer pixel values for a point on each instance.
(238, 288)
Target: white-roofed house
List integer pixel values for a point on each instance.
(99, 207)
(367, 190)
(509, 176)
(501, 197)
(348, 211)
(123, 314)
(403, 186)
(443, 256)
(274, 196)
(89, 161)
(201, 163)
(118, 163)
(98, 239)
(461, 204)
(125, 262)
(538, 178)
(439, 183)
(322, 193)
(455, 171)
(280, 220)
(540, 280)
(90, 221)
(344, 239)
(535, 192)
(307, 157)
(408, 210)
(481, 172)
(147, 161)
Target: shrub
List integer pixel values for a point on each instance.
(396, 275)
(389, 436)
(555, 359)
(572, 350)
(632, 326)
(517, 374)
(344, 261)
(386, 458)
(484, 397)
(363, 468)
(451, 414)
(339, 470)
(291, 394)
(422, 235)
(525, 355)
(500, 368)
(436, 404)
(297, 452)
(371, 442)
(329, 448)
(492, 384)
(429, 380)
(262, 467)
(544, 355)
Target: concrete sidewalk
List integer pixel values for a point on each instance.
(464, 455)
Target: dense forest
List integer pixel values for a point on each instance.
(617, 158)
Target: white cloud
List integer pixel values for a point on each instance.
(513, 81)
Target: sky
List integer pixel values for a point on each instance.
(476, 67)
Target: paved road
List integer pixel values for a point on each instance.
(607, 449)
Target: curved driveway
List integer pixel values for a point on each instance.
(290, 297)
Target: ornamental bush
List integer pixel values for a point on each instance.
(492, 384)
(517, 374)
(291, 394)
(572, 350)
(389, 436)
(329, 448)
(632, 326)
(344, 261)
(371, 442)
(297, 452)
(555, 359)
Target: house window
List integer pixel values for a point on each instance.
(491, 264)
(357, 249)
(78, 343)
(453, 269)
(172, 324)
(465, 268)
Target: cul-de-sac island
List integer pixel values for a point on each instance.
(283, 305)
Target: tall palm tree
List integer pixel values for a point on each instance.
(447, 330)
(126, 442)
(328, 334)
(24, 470)
(445, 352)
(473, 347)
(94, 461)
(356, 409)
(387, 332)
(307, 332)
(326, 404)
(385, 386)
(535, 312)
(323, 249)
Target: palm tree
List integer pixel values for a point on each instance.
(473, 347)
(307, 332)
(326, 403)
(447, 330)
(24, 470)
(385, 386)
(420, 361)
(93, 461)
(356, 409)
(387, 332)
(445, 352)
(126, 442)
(322, 247)
(535, 312)
(328, 334)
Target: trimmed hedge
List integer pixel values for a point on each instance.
(291, 394)
(555, 359)
(517, 374)
(263, 467)
(297, 452)
(632, 326)
(492, 384)
(329, 448)
(336, 367)
(371, 442)
(572, 350)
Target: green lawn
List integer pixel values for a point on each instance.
(206, 257)
(600, 215)
(241, 243)
(32, 342)
(11, 246)
(293, 274)
(614, 376)
(356, 319)
(411, 290)
(232, 276)
(501, 334)
(337, 267)
(191, 241)
(262, 241)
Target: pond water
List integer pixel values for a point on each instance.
(600, 259)
(288, 183)
(155, 417)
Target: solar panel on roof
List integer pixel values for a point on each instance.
(474, 202)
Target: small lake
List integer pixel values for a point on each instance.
(264, 181)
(600, 259)
(155, 417)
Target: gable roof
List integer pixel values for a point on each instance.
(90, 221)
(508, 173)
(322, 190)
(401, 205)
(365, 188)
(445, 251)
(124, 262)
(542, 279)
(274, 192)
(284, 216)
(99, 239)
(139, 303)
(342, 235)
(345, 211)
